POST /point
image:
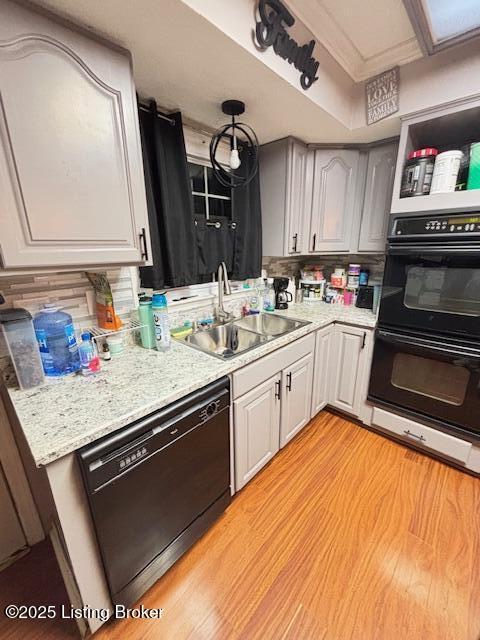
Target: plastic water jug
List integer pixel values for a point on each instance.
(56, 340)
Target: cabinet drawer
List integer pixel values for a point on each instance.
(254, 374)
(422, 435)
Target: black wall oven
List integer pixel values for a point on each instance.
(429, 377)
(426, 358)
(432, 276)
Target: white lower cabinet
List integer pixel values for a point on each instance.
(347, 367)
(271, 403)
(296, 398)
(257, 429)
(321, 377)
(426, 438)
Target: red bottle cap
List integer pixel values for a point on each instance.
(423, 153)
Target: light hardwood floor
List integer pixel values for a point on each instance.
(345, 535)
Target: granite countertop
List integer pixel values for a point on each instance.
(64, 415)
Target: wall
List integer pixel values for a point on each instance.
(446, 76)
(333, 91)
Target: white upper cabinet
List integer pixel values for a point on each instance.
(71, 177)
(335, 209)
(378, 197)
(285, 184)
(314, 200)
(296, 198)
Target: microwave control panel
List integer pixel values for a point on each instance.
(437, 225)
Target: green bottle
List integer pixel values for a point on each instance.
(145, 316)
(474, 170)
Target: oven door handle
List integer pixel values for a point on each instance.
(394, 338)
(414, 249)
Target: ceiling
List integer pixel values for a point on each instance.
(365, 37)
(186, 63)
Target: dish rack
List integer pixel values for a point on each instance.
(98, 333)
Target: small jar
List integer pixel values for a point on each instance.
(353, 281)
(445, 173)
(338, 277)
(354, 269)
(363, 277)
(417, 173)
(115, 344)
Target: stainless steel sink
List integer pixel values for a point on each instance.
(225, 341)
(269, 325)
(238, 336)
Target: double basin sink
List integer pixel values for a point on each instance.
(238, 336)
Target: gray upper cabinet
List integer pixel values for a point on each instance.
(71, 178)
(325, 200)
(378, 195)
(337, 186)
(285, 183)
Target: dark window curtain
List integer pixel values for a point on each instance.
(247, 213)
(214, 246)
(169, 201)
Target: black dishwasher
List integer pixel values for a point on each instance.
(155, 486)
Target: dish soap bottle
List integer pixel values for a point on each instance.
(160, 319)
(89, 360)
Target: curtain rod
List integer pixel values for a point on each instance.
(159, 114)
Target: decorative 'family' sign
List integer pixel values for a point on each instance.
(382, 95)
(270, 31)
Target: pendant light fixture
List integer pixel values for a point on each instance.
(235, 175)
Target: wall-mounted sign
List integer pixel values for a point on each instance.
(271, 31)
(382, 95)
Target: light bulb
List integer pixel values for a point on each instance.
(234, 159)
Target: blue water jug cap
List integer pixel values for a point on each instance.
(86, 336)
(159, 300)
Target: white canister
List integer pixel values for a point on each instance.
(445, 171)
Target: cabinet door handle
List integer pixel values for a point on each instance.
(143, 241)
(295, 238)
(314, 241)
(289, 381)
(278, 389)
(364, 339)
(408, 433)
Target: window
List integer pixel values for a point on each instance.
(449, 19)
(442, 23)
(210, 198)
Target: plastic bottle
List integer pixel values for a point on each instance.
(56, 340)
(145, 316)
(89, 360)
(106, 355)
(269, 296)
(161, 322)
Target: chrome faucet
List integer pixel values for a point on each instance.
(223, 288)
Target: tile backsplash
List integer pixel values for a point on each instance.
(71, 291)
(291, 266)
